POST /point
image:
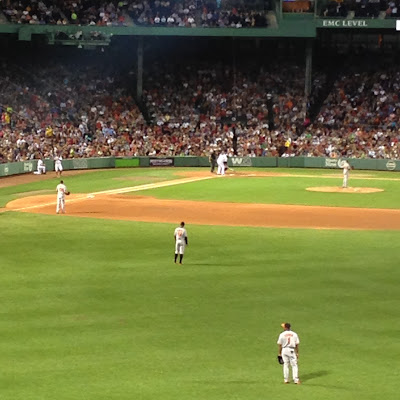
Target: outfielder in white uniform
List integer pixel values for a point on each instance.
(61, 190)
(346, 168)
(41, 168)
(181, 241)
(222, 158)
(288, 343)
(58, 165)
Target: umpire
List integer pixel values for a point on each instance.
(213, 161)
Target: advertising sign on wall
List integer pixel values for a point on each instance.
(161, 162)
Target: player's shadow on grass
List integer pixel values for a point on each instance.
(313, 375)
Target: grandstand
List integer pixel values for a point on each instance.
(128, 85)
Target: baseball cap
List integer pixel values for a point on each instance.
(285, 325)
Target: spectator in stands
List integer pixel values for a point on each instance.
(182, 13)
(195, 108)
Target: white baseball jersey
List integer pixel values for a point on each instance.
(57, 163)
(61, 189)
(222, 158)
(288, 339)
(346, 167)
(41, 167)
(180, 235)
(180, 240)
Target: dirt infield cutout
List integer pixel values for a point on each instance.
(148, 209)
(115, 204)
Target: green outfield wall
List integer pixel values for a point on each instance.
(27, 167)
(83, 163)
(300, 27)
(127, 162)
(17, 168)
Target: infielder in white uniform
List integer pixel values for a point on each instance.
(288, 343)
(346, 168)
(181, 241)
(41, 168)
(61, 191)
(58, 165)
(222, 158)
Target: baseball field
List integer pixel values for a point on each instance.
(94, 308)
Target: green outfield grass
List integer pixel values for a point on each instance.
(96, 309)
(285, 190)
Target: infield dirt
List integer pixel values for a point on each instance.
(148, 209)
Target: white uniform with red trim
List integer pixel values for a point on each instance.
(180, 235)
(289, 340)
(61, 189)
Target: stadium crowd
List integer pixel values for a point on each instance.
(192, 110)
(65, 12)
(361, 8)
(181, 13)
(75, 111)
(205, 13)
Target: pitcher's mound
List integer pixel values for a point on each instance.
(336, 189)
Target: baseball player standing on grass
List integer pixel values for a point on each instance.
(61, 192)
(288, 344)
(181, 241)
(346, 168)
(58, 165)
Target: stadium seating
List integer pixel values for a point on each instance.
(190, 108)
(171, 13)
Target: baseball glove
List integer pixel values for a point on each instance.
(67, 193)
(280, 360)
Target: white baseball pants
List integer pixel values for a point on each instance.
(40, 170)
(180, 247)
(58, 167)
(290, 358)
(60, 205)
(345, 180)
